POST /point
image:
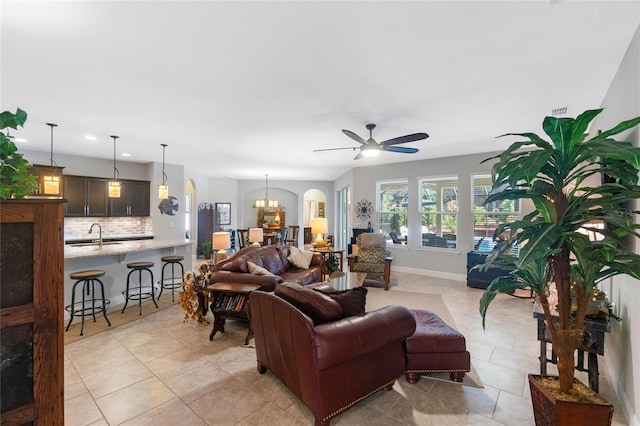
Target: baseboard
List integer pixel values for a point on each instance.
(430, 273)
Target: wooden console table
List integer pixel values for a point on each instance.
(592, 344)
(230, 301)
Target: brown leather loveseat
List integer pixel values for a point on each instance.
(328, 361)
(271, 258)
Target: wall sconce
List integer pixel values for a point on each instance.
(256, 236)
(319, 226)
(51, 182)
(221, 242)
(114, 185)
(163, 188)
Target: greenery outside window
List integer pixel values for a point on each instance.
(439, 212)
(392, 206)
(487, 217)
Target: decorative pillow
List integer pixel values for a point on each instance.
(352, 301)
(257, 270)
(319, 307)
(300, 259)
(371, 255)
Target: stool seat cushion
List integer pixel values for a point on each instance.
(433, 335)
(172, 258)
(84, 275)
(139, 265)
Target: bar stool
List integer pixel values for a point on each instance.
(143, 291)
(170, 282)
(88, 280)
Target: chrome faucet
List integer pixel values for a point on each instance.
(100, 229)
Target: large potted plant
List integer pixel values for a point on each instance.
(554, 249)
(15, 179)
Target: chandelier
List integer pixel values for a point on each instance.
(265, 203)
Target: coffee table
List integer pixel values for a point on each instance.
(346, 280)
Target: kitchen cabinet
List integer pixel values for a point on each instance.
(86, 196)
(134, 199)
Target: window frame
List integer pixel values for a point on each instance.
(440, 211)
(380, 211)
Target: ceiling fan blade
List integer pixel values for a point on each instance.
(357, 157)
(405, 139)
(402, 149)
(354, 136)
(335, 149)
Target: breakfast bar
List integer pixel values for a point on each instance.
(112, 257)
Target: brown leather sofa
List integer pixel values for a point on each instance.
(272, 258)
(329, 365)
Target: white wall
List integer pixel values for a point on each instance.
(622, 347)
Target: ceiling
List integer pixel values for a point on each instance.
(240, 89)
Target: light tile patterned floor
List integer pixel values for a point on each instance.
(159, 371)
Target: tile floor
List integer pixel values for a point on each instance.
(159, 371)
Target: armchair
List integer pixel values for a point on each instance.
(372, 258)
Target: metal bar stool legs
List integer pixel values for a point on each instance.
(172, 282)
(89, 279)
(142, 291)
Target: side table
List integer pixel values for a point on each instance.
(230, 301)
(326, 252)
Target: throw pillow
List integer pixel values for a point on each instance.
(300, 259)
(352, 301)
(257, 270)
(319, 307)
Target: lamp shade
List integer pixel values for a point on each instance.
(221, 241)
(319, 225)
(256, 236)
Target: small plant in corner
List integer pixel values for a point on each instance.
(205, 249)
(555, 248)
(15, 179)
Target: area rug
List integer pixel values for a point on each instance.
(378, 298)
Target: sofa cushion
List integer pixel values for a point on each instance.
(257, 270)
(271, 260)
(352, 301)
(318, 306)
(299, 258)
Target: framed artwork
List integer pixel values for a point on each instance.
(224, 213)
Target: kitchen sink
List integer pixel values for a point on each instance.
(94, 243)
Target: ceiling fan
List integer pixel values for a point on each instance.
(371, 148)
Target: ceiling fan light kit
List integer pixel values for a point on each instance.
(370, 148)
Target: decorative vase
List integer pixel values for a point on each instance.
(202, 304)
(548, 411)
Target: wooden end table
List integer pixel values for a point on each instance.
(326, 252)
(230, 301)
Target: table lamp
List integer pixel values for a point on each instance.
(319, 227)
(256, 236)
(221, 242)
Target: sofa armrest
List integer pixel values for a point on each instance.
(351, 337)
(268, 282)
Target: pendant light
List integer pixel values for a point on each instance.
(51, 182)
(114, 185)
(163, 188)
(266, 203)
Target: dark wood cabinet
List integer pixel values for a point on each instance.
(134, 199)
(89, 197)
(31, 300)
(85, 196)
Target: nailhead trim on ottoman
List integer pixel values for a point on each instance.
(435, 347)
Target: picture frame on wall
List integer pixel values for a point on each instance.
(224, 213)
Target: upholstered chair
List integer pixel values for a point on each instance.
(372, 257)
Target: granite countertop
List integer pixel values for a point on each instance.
(119, 248)
(105, 237)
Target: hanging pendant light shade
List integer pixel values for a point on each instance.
(51, 182)
(114, 185)
(163, 188)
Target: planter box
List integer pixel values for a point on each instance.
(550, 412)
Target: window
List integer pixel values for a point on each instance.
(439, 212)
(487, 217)
(392, 208)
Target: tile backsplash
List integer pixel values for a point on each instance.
(76, 228)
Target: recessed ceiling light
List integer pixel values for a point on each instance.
(124, 154)
(90, 138)
(19, 140)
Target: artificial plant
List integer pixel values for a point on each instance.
(553, 240)
(15, 179)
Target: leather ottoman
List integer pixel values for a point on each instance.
(434, 348)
